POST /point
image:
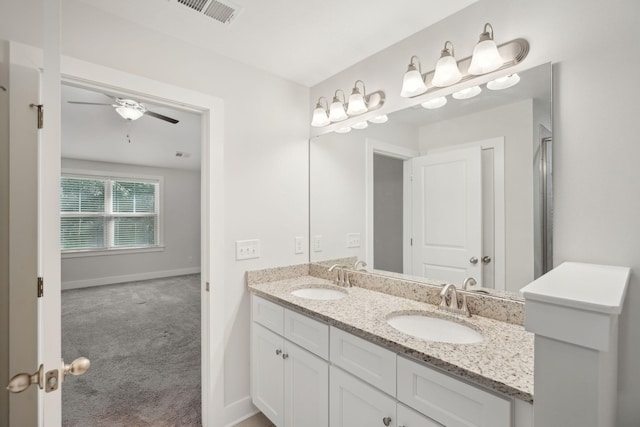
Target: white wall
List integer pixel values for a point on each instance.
(180, 211)
(338, 185)
(265, 148)
(514, 122)
(593, 44)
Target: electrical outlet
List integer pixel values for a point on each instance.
(247, 249)
(353, 240)
(317, 243)
(299, 245)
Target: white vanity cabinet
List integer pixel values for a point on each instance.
(289, 384)
(355, 403)
(307, 374)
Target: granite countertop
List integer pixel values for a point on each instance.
(503, 361)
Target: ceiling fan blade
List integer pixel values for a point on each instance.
(161, 117)
(88, 103)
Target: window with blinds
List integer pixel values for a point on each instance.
(103, 213)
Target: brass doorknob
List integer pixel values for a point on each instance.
(21, 382)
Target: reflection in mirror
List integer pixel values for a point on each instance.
(464, 190)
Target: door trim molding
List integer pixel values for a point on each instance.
(375, 146)
(78, 72)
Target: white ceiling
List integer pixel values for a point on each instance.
(95, 132)
(303, 41)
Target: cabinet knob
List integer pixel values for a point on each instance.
(278, 352)
(285, 356)
(473, 260)
(486, 259)
(386, 421)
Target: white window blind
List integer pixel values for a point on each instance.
(103, 213)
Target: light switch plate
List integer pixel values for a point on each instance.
(353, 240)
(299, 244)
(247, 249)
(317, 243)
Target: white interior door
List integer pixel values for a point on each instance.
(447, 215)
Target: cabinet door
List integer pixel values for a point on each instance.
(407, 417)
(267, 370)
(354, 403)
(306, 388)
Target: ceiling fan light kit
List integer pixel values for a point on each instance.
(130, 110)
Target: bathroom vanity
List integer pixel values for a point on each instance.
(334, 359)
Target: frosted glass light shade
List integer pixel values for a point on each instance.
(467, 93)
(343, 130)
(486, 58)
(336, 111)
(434, 103)
(361, 125)
(504, 82)
(320, 117)
(412, 83)
(379, 119)
(447, 72)
(356, 104)
(129, 113)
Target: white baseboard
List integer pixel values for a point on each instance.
(77, 284)
(239, 411)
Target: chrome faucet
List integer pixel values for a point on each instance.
(453, 307)
(469, 281)
(342, 278)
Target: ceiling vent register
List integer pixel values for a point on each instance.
(222, 11)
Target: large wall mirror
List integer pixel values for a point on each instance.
(463, 190)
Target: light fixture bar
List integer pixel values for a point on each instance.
(513, 52)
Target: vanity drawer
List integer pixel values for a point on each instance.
(268, 314)
(307, 333)
(450, 401)
(370, 362)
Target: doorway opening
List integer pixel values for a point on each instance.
(131, 253)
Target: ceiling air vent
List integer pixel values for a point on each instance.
(222, 11)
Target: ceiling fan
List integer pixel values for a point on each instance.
(130, 109)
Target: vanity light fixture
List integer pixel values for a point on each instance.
(412, 82)
(336, 110)
(379, 119)
(447, 72)
(320, 116)
(504, 82)
(361, 125)
(486, 57)
(467, 93)
(357, 103)
(343, 130)
(432, 104)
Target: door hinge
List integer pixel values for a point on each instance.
(40, 287)
(411, 242)
(206, 286)
(40, 108)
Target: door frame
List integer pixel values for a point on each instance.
(374, 146)
(88, 74)
(499, 259)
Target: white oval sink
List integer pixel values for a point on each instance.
(319, 293)
(434, 329)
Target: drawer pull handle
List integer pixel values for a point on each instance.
(386, 421)
(278, 352)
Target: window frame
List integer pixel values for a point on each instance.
(109, 215)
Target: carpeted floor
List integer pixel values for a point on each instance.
(143, 340)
